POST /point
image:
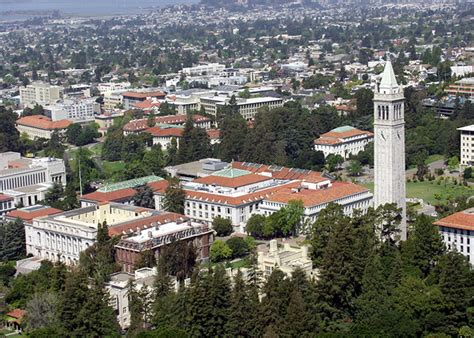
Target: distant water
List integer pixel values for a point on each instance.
(22, 9)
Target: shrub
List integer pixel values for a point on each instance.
(220, 251)
(238, 246)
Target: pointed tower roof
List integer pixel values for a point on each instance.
(389, 80)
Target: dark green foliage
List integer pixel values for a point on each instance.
(144, 197)
(174, 198)
(12, 240)
(9, 135)
(112, 148)
(194, 144)
(238, 246)
(7, 271)
(233, 134)
(179, 259)
(81, 135)
(222, 226)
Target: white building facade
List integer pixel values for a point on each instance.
(467, 145)
(74, 110)
(345, 141)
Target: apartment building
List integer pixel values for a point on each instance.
(40, 93)
(467, 145)
(344, 141)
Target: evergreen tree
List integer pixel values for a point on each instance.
(275, 301)
(297, 317)
(174, 197)
(154, 161)
(9, 135)
(219, 299)
(12, 240)
(239, 323)
(323, 228)
(339, 281)
(144, 197)
(164, 297)
(172, 152)
(199, 305)
(74, 296)
(97, 318)
(233, 134)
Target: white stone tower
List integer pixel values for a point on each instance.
(389, 154)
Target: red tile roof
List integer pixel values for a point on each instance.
(235, 182)
(143, 223)
(279, 172)
(17, 313)
(234, 201)
(4, 198)
(112, 196)
(157, 131)
(334, 137)
(27, 216)
(147, 104)
(463, 220)
(214, 133)
(123, 194)
(43, 122)
(142, 124)
(144, 95)
(312, 198)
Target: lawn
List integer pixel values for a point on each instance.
(428, 190)
(112, 169)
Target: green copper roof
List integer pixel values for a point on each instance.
(343, 129)
(231, 172)
(130, 183)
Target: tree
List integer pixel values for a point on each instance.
(453, 163)
(42, 312)
(322, 230)
(12, 240)
(233, 134)
(220, 251)
(297, 317)
(174, 198)
(179, 258)
(73, 132)
(222, 226)
(172, 152)
(154, 161)
(164, 297)
(355, 168)
(333, 162)
(274, 303)
(54, 195)
(112, 148)
(103, 322)
(238, 246)
(144, 197)
(255, 225)
(75, 293)
(9, 135)
(219, 299)
(239, 323)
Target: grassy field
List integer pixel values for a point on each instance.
(429, 190)
(111, 169)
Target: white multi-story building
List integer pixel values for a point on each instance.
(77, 110)
(243, 189)
(108, 87)
(6, 204)
(248, 108)
(457, 232)
(40, 93)
(62, 237)
(27, 180)
(207, 69)
(467, 145)
(344, 141)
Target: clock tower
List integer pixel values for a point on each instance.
(389, 148)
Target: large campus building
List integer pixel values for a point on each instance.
(345, 141)
(457, 232)
(242, 189)
(62, 237)
(40, 93)
(467, 145)
(27, 180)
(39, 126)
